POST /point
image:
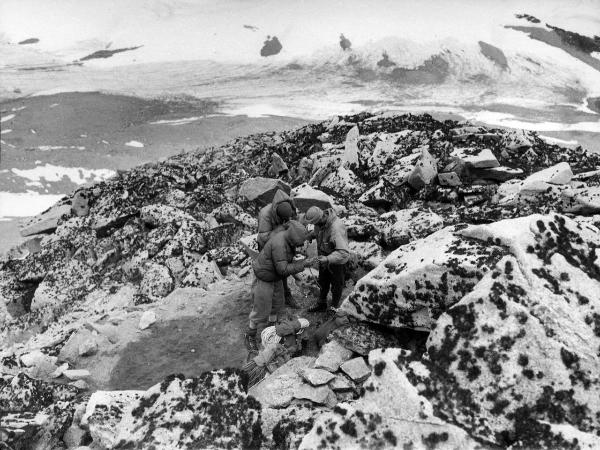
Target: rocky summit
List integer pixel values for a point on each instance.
(473, 299)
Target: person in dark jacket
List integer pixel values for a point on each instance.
(334, 253)
(271, 219)
(274, 263)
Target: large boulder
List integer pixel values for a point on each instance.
(420, 280)
(516, 360)
(262, 190)
(476, 157)
(45, 222)
(306, 196)
(157, 281)
(424, 172)
(392, 414)
(401, 227)
(351, 147)
(208, 411)
(343, 183)
(558, 174)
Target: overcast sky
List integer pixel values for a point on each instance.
(186, 29)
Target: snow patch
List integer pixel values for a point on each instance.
(5, 131)
(176, 121)
(134, 144)
(77, 175)
(510, 121)
(24, 204)
(6, 118)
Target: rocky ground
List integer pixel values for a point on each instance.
(474, 298)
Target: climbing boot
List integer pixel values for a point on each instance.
(319, 306)
(250, 341)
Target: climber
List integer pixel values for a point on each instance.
(271, 267)
(270, 221)
(334, 253)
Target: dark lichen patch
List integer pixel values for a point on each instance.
(432, 440)
(378, 368)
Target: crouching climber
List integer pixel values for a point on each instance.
(334, 253)
(271, 220)
(274, 263)
(280, 343)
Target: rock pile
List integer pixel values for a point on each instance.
(488, 239)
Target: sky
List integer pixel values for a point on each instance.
(201, 29)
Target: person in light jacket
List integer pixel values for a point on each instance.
(334, 253)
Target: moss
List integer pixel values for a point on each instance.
(432, 440)
(378, 369)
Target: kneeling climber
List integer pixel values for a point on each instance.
(274, 263)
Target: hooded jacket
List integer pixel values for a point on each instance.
(332, 239)
(268, 220)
(275, 261)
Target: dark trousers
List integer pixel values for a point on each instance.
(332, 277)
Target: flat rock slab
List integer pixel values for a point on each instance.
(476, 157)
(306, 196)
(357, 369)
(316, 377)
(558, 174)
(332, 355)
(449, 179)
(262, 190)
(45, 222)
(341, 384)
(321, 395)
(76, 374)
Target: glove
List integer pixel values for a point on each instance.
(323, 260)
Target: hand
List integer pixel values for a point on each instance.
(323, 260)
(311, 262)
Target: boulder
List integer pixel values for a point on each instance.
(389, 151)
(80, 204)
(230, 212)
(262, 190)
(424, 172)
(476, 157)
(157, 281)
(449, 179)
(82, 342)
(320, 395)
(180, 413)
(524, 342)
(420, 280)
(351, 147)
(391, 414)
(332, 355)
(147, 319)
(513, 140)
(344, 183)
(401, 227)
(306, 196)
(104, 411)
(278, 167)
(558, 174)
(357, 369)
(367, 254)
(46, 221)
(202, 274)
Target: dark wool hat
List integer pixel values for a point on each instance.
(285, 211)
